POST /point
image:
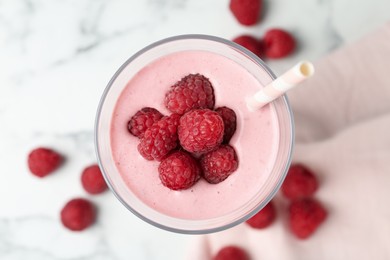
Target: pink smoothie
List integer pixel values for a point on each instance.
(255, 141)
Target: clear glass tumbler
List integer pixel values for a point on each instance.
(103, 121)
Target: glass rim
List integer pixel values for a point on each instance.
(234, 45)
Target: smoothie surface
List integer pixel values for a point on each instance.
(256, 139)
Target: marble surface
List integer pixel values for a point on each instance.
(56, 57)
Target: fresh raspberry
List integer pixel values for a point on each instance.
(251, 44)
(300, 182)
(217, 165)
(200, 131)
(229, 120)
(42, 161)
(278, 43)
(179, 171)
(191, 92)
(247, 12)
(264, 217)
(306, 215)
(92, 180)
(160, 138)
(231, 253)
(142, 120)
(78, 214)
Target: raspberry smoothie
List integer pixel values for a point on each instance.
(256, 139)
(262, 141)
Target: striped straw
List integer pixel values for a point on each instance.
(281, 85)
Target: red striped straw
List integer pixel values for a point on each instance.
(281, 85)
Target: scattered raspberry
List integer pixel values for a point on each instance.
(78, 214)
(278, 43)
(231, 253)
(300, 182)
(229, 120)
(42, 161)
(142, 120)
(264, 217)
(306, 215)
(179, 171)
(251, 44)
(247, 12)
(200, 131)
(217, 165)
(160, 138)
(92, 180)
(191, 92)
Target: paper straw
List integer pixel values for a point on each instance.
(281, 85)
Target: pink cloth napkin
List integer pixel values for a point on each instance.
(342, 118)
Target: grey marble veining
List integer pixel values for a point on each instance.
(334, 38)
(56, 57)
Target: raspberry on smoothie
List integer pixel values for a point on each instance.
(230, 122)
(179, 171)
(160, 138)
(142, 120)
(191, 92)
(218, 164)
(200, 131)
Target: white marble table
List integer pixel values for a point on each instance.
(56, 57)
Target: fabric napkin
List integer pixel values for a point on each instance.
(342, 117)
